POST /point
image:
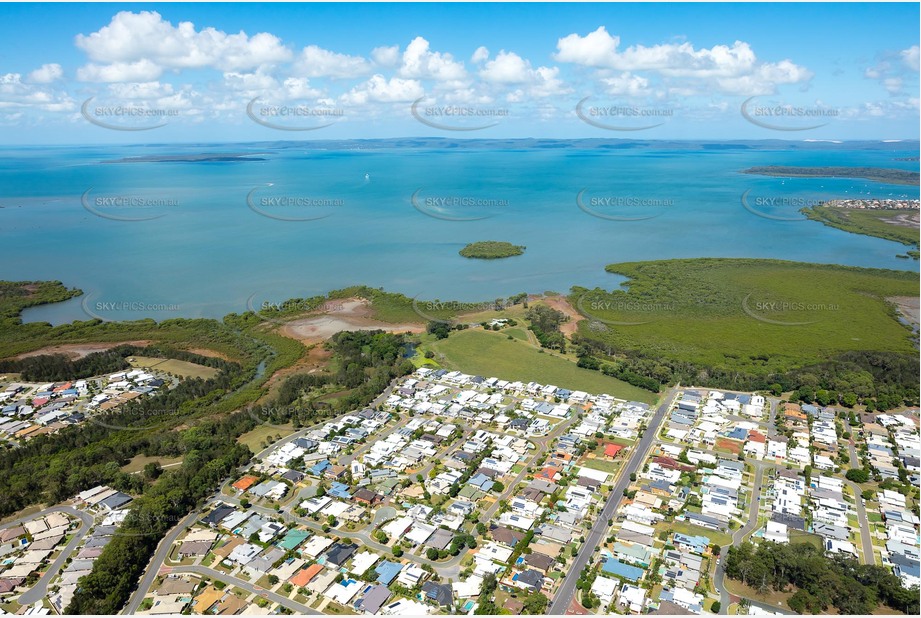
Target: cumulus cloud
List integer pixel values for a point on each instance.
(379, 89)
(910, 57)
(386, 56)
(145, 39)
(508, 68)
(46, 74)
(421, 63)
(318, 62)
(733, 69)
(627, 84)
(138, 71)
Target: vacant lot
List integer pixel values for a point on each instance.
(256, 438)
(137, 463)
(490, 353)
(184, 369)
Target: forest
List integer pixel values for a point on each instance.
(820, 581)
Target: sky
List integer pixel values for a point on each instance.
(224, 72)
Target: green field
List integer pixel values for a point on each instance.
(493, 354)
(754, 316)
(880, 223)
(184, 369)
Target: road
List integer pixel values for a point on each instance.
(40, 590)
(749, 527)
(567, 589)
(866, 540)
(541, 448)
(153, 566)
(249, 587)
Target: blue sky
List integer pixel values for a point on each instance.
(242, 72)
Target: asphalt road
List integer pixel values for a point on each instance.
(567, 590)
(153, 567)
(40, 590)
(251, 588)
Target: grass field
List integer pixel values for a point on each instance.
(720, 538)
(604, 465)
(138, 462)
(754, 316)
(173, 366)
(489, 353)
(254, 439)
(798, 536)
(880, 223)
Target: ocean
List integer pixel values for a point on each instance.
(199, 235)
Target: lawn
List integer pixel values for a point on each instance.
(254, 439)
(746, 315)
(138, 462)
(605, 465)
(173, 366)
(798, 536)
(492, 354)
(720, 538)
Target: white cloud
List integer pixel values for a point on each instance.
(910, 57)
(731, 69)
(318, 62)
(479, 55)
(46, 74)
(508, 68)
(420, 63)
(627, 84)
(146, 39)
(386, 56)
(139, 71)
(595, 49)
(379, 89)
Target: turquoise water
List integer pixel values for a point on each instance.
(211, 253)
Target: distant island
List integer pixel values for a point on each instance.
(878, 174)
(491, 250)
(199, 158)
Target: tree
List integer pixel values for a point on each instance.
(715, 549)
(441, 330)
(715, 608)
(535, 604)
(857, 475)
(273, 579)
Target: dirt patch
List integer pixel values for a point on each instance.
(905, 220)
(339, 315)
(560, 303)
(209, 353)
(733, 446)
(908, 307)
(74, 351)
(316, 360)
